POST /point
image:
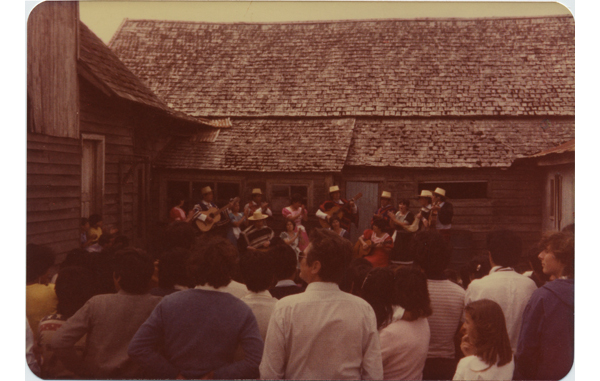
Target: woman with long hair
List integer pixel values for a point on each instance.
(380, 245)
(297, 213)
(486, 345)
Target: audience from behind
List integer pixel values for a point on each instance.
(172, 272)
(536, 273)
(74, 286)
(504, 285)
(377, 290)
(486, 345)
(284, 263)
(476, 268)
(104, 242)
(179, 234)
(432, 253)
(257, 273)
(302, 323)
(109, 321)
(355, 276)
(194, 333)
(40, 298)
(546, 341)
(120, 242)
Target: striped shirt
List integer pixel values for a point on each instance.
(447, 303)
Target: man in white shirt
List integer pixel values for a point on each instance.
(504, 285)
(322, 333)
(256, 204)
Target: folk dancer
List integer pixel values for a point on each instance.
(382, 213)
(257, 236)
(444, 211)
(348, 206)
(424, 200)
(256, 204)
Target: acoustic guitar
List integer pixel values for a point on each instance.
(338, 211)
(359, 252)
(213, 213)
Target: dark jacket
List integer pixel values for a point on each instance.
(446, 213)
(546, 344)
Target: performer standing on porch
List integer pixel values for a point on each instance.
(423, 215)
(257, 205)
(297, 213)
(206, 204)
(348, 206)
(444, 211)
(382, 213)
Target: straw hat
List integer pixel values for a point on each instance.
(440, 191)
(386, 194)
(206, 190)
(425, 193)
(334, 188)
(257, 216)
(256, 191)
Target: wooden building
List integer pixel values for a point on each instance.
(399, 105)
(93, 129)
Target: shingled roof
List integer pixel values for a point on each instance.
(459, 143)
(99, 64)
(429, 67)
(266, 145)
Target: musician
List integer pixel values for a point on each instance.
(257, 236)
(257, 205)
(206, 204)
(349, 208)
(401, 221)
(382, 213)
(424, 200)
(444, 211)
(380, 244)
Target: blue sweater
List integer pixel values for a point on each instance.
(194, 332)
(546, 342)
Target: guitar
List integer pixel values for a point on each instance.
(359, 252)
(213, 213)
(338, 211)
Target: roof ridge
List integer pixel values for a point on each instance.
(308, 22)
(114, 36)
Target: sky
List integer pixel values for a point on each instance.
(104, 18)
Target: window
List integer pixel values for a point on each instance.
(281, 194)
(456, 190)
(225, 192)
(175, 188)
(555, 207)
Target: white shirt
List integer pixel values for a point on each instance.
(322, 334)
(473, 368)
(285, 282)
(438, 224)
(510, 290)
(247, 207)
(447, 303)
(236, 289)
(262, 305)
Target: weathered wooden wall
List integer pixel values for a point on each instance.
(52, 30)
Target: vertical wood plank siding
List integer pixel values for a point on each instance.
(52, 83)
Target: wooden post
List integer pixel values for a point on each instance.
(121, 208)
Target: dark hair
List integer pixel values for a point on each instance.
(74, 286)
(332, 251)
(286, 222)
(334, 218)
(431, 252)
(120, 242)
(284, 261)
(39, 260)
(478, 267)
(83, 221)
(179, 234)
(213, 262)
(105, 239)
(410, 290)
(355, 276)
(505, 246)
(377, 291)
(296, 198)
(570, 228)
(381, 224)
(562, 245)
(491, 340)
(135, 269)
(94, 219)
(404, 201)
(77, 257)
(177, 198)
(172, 268)
(257, 270)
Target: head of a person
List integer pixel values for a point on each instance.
(39, 261)
(133, 270)
(106, 240)
(296, 200)
(439, 195)
(290, 226)
(505, 248)
(172, 268)
(95, 220)
(326, 258)
(179, 234)
(235, 207)
(284, 261)
(120, 242)
(334, 193)
(425, 198)
(385, 199)
(403, 205)
(478, 267)
(431, 252)
(77, 257)
(486, 327)
(178, 199)
(74, 286)
(335, 222)
(207, 194)
(411, 293)
(213, 262)
(257, 195)
(379, 225)
(377, 291)
(558, 255)
(84, 224)
(257, 270)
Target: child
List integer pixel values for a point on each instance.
(486, 344)
(95, 227)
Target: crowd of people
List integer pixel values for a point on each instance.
(237, 301)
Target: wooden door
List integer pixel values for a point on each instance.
(367, 205)
(88, 177)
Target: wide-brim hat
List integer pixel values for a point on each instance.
(386, 194)
(334, 188)
(440, 191)
(206, 190)
(425, 193)
(257, 216)
(256, 191)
